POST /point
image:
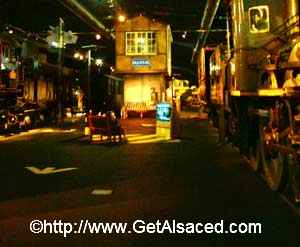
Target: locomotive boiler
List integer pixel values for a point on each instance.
(254, 88)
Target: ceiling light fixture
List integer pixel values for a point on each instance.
(98, 36)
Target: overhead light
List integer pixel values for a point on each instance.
(184, 35)
(76, 55)
(98, 36)
(99, 62)
(81, 57)
(77, 92)
(111, 3)
(11, 31)
(122, 18)
(54, 44)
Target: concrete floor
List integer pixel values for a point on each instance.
(193, 180)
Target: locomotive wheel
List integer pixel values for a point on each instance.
(293, 189)
(294, 179)
(296, 185)
(291, 178)
(272, 162)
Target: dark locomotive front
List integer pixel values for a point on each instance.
(255, 88)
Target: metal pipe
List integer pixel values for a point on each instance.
(81, 11)
(206, 23)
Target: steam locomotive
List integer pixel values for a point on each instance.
(252, 86)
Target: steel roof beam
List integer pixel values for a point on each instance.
(81, 11)
(209, 14)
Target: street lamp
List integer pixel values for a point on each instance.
(99, 62)
(77, 55)
(98, 36)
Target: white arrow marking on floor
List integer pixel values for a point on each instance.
(48, 170)
(102, 192)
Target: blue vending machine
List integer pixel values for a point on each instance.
(164, 120)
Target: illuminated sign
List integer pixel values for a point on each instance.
(140, 62)
(163, 112)
(259, 20)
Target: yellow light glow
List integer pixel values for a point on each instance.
(122, 18)
(144, 139)
(76, 55)
(236, 93)
(271, 92)
(139, 139)
(87, 131)
(137, 91)
(30, 133)
(141, 40)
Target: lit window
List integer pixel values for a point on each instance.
(259, 19)
(140, 43)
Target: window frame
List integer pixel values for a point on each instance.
(148, 43)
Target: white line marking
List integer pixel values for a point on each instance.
(48, 170)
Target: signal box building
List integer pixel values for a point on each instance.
(143, 59)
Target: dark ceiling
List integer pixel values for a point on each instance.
(36, 16)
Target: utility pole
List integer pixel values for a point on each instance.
(60, 87)
(89, 79)
(58, 38)
(89, 65)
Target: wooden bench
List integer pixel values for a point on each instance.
(103, 126)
